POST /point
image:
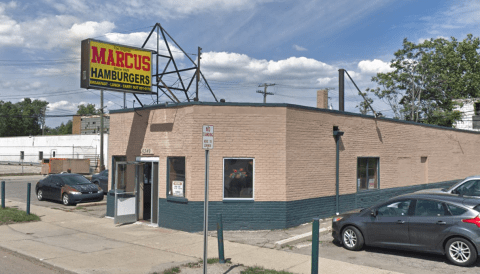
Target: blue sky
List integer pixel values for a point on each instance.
(298, 45)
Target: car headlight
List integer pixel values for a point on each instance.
(336, 219)
(100, 191)
(75, 192)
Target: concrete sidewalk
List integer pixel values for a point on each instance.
(83, 244)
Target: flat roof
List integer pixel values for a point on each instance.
(285, 105)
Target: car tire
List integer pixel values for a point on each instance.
(65, 199)
(352, 238)
(40, 195)
(460, 252)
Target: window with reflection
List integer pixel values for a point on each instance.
(238, 176)
(176, 176)
(367, 173)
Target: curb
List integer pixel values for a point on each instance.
(92, 204)
(37, 261)
(305, 236)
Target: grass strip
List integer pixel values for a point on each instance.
(12, 215)
(261, 270)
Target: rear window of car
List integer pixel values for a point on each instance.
(456, 211)
(75, 180)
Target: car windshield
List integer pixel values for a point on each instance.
(75, 180)
(451, 188)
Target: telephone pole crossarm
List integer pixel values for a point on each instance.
(264, 92)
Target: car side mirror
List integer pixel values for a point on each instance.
(374, 213)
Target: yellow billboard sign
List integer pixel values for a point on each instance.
(115, 67)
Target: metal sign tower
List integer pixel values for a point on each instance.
(173, 79)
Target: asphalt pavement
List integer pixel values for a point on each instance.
(84, 244)
(64, 232)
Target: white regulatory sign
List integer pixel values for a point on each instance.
(207, 139)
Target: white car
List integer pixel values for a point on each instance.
(469, 186)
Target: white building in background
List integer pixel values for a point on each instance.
(470, 114)
(53, 146)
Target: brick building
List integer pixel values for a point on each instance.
(90, 124)
(274, 165)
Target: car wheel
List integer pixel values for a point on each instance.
(352, 238)
(40, 195)
(460, 252)
(65, 199)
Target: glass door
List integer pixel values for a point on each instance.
(126, 188)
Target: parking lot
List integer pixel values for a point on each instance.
(16, 190)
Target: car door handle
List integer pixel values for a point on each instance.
(441, 223)
(400, 222)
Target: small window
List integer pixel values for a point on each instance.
(367, 173)
(176, 176)
(397, 208)
(430, 208)
(455, 210)
(238, 178)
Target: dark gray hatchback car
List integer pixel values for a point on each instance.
(436, 223)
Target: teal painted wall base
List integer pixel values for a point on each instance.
(188, 216)
(110, 204)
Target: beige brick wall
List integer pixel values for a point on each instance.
(400, 147)
(243, 132)
(294, 149)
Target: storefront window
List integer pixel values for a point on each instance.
(238, 178)
(176, 176)
(367, 173)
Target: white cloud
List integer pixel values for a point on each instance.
(234, 66)
(375, 66)
(60, 105)
(9, 28)
(299, 48)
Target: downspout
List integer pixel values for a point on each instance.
(337, 134)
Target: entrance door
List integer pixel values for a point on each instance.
(155, 193)
(126, 187)
(148, 189)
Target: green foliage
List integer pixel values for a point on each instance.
(22, 118)
(13, 215)
(172, 270)
(89, 109)
(261, 270)
(428, 76)
(62, 129)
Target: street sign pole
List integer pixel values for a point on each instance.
(207, 144)
(205, 216)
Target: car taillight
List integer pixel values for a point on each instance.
(475, 221)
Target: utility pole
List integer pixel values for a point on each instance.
(43, 121)
(265, 93)
(198, 70)
(102, 167)
(341, 89)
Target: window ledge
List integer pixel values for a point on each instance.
(367, 190)
(238, 200)
(180, 200)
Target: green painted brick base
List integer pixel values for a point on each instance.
(188, 215)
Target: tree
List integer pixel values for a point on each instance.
(427, 78)
(62, 129)
(89, 109)
(23, 118)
